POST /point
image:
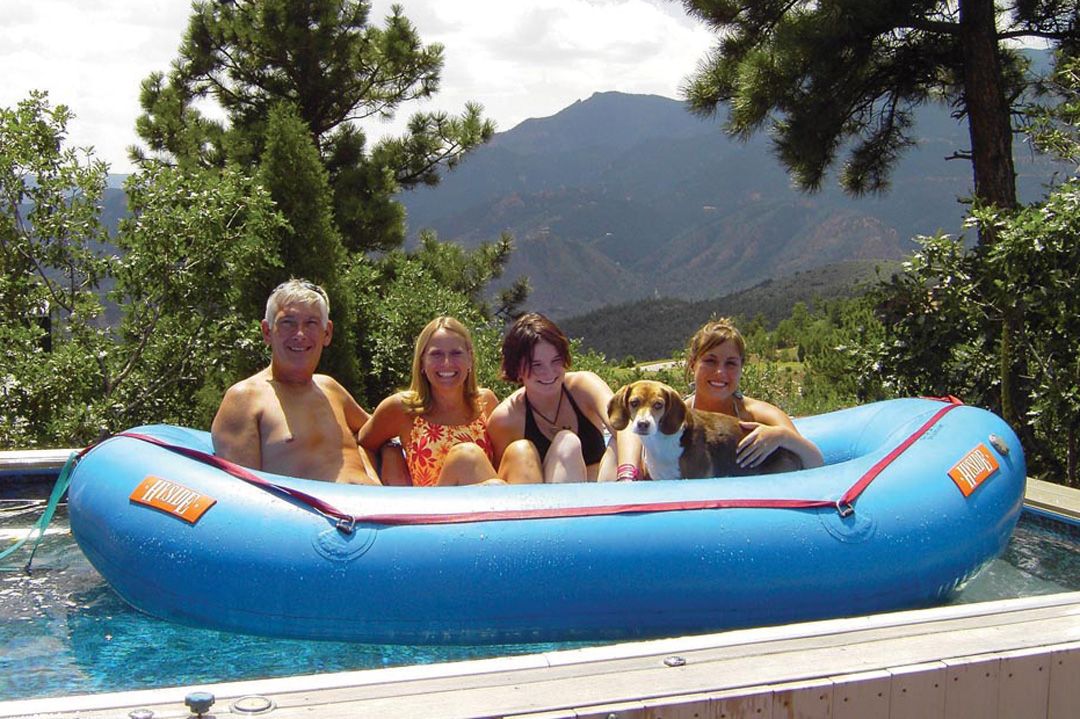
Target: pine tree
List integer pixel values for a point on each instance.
(337, 69)
(847, 75)
(168, 337)
(310, 245)
(293, 79)
(826, 76)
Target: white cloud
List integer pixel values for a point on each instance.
(518, 59)
(92, 58)
(531, 59)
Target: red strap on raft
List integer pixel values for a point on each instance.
(860, 486)
(346, 521)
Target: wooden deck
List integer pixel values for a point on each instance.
(1052, 497)
(1004, 659)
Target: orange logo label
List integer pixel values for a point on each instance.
(172, 498)
(973, 469)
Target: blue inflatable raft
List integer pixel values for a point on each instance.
(916, 496)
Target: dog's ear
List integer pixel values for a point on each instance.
(674, 412)
(617, 411)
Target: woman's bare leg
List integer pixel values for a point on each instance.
(564, 462)
(608, 465)
(467, 463)
(521, 463)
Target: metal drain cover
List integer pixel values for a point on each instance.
(252, 705)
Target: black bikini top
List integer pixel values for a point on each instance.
(592, 439)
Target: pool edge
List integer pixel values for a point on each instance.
(931, 643)
(980, 648)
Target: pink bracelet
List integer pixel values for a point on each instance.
(626, 473)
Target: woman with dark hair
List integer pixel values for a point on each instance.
(441, 420)
(558, 415)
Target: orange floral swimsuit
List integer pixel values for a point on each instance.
(429, 444)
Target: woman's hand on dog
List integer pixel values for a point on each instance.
(760, 441)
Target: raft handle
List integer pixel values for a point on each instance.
(346, 525)
(999, 444)
(844, 508)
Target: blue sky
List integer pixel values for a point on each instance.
(518, 59)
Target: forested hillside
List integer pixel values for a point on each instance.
(655, 328)
(622, 197)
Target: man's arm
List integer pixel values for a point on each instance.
(387, 422)
(355, 415)
(235, 430)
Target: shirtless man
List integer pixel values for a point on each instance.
(286, 419)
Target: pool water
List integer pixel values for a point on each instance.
(64, 632)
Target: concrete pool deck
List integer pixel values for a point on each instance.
(1008, 658)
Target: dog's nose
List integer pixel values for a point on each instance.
(642, 425)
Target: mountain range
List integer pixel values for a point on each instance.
(616, 330)
(622, 197)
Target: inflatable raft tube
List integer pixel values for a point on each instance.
(916, 496)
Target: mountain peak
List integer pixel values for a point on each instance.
(620, 196)
(609, 119)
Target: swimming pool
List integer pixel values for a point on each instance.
(65, 632)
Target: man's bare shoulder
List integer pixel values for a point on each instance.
(327, 382)
(332, 388)
(235, 429)
(248, 391)
(355, 415)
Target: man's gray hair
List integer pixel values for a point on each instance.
(296, 291)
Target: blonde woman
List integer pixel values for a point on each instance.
(714, 362)
(441, 420)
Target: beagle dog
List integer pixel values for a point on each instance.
(680, 442)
